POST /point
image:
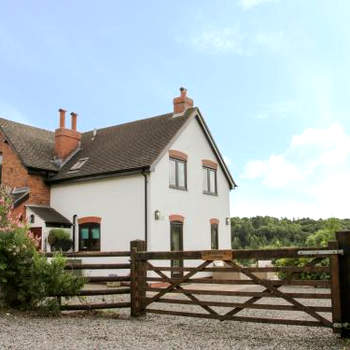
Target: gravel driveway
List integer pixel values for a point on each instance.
(84, 331)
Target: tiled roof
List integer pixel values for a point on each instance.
(34, 146)
(124, 147)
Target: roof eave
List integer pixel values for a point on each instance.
(124, 172)
(216, 150)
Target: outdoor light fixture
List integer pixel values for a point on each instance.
(157, 215)
(227, 221)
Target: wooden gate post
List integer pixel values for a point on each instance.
(335, 288)
(138, 279)
(343, 238)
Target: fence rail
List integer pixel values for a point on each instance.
(115, 267)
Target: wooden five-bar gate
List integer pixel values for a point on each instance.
(147, 270)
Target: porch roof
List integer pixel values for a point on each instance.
(50, 215)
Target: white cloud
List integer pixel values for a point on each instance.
(276, 171)
(218, 40)
(315, 167)
(249, 4)
(241, 206)
(274, 41)
(280, 110)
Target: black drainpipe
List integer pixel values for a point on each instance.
(146, 208)
(74, 225)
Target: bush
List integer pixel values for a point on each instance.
(59, 239)
(301, 262)
(318, 239)
(28, 279)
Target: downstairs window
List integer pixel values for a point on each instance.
(90, 237)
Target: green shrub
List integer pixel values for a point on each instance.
(27, 278)
(318, 239)
(59, 239)
(301, 262)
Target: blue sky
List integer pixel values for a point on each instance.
(271, 78)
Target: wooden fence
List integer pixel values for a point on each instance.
(98, 280)
(183, 280)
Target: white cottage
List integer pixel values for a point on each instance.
(160, 179)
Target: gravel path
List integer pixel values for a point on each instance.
(84, 331)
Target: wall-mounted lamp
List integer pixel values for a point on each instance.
(227, 221)
(157, 215)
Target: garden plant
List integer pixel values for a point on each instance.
(29, 280)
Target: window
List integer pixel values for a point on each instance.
(78, 164)
(176, 244)
(209, 181)
(177, 174)
(32, 219)
(0, 167)
(89, 236)
(214, 230)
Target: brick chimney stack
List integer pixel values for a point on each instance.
(66, 140)
(182, 102)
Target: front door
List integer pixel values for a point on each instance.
(37, 234)
(176, 244)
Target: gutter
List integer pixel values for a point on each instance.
(99, 176)
(145, 174)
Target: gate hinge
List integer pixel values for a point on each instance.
(321, 252)
(342, 325)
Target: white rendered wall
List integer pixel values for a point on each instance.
(119, 201)
(196, 207)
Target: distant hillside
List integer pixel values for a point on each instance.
(267, 231)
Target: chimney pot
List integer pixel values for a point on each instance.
(182, 102)
(62, 118)
(74, 120)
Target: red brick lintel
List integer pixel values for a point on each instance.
(175, 217)
(214, 221)
(177, 155)
(209, 164)
(88, 219)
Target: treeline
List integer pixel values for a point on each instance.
(266, 231)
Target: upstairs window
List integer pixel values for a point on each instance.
(209, 181)
(209, 177)
(177, 170)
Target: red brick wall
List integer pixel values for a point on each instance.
(14, 174)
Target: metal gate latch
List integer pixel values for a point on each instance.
(321, 252)
(341, 325)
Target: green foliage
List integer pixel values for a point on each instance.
(268, 232)
(321, 237)
(301, 262)
(27, 278)
(262, 231)
(59, 239)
